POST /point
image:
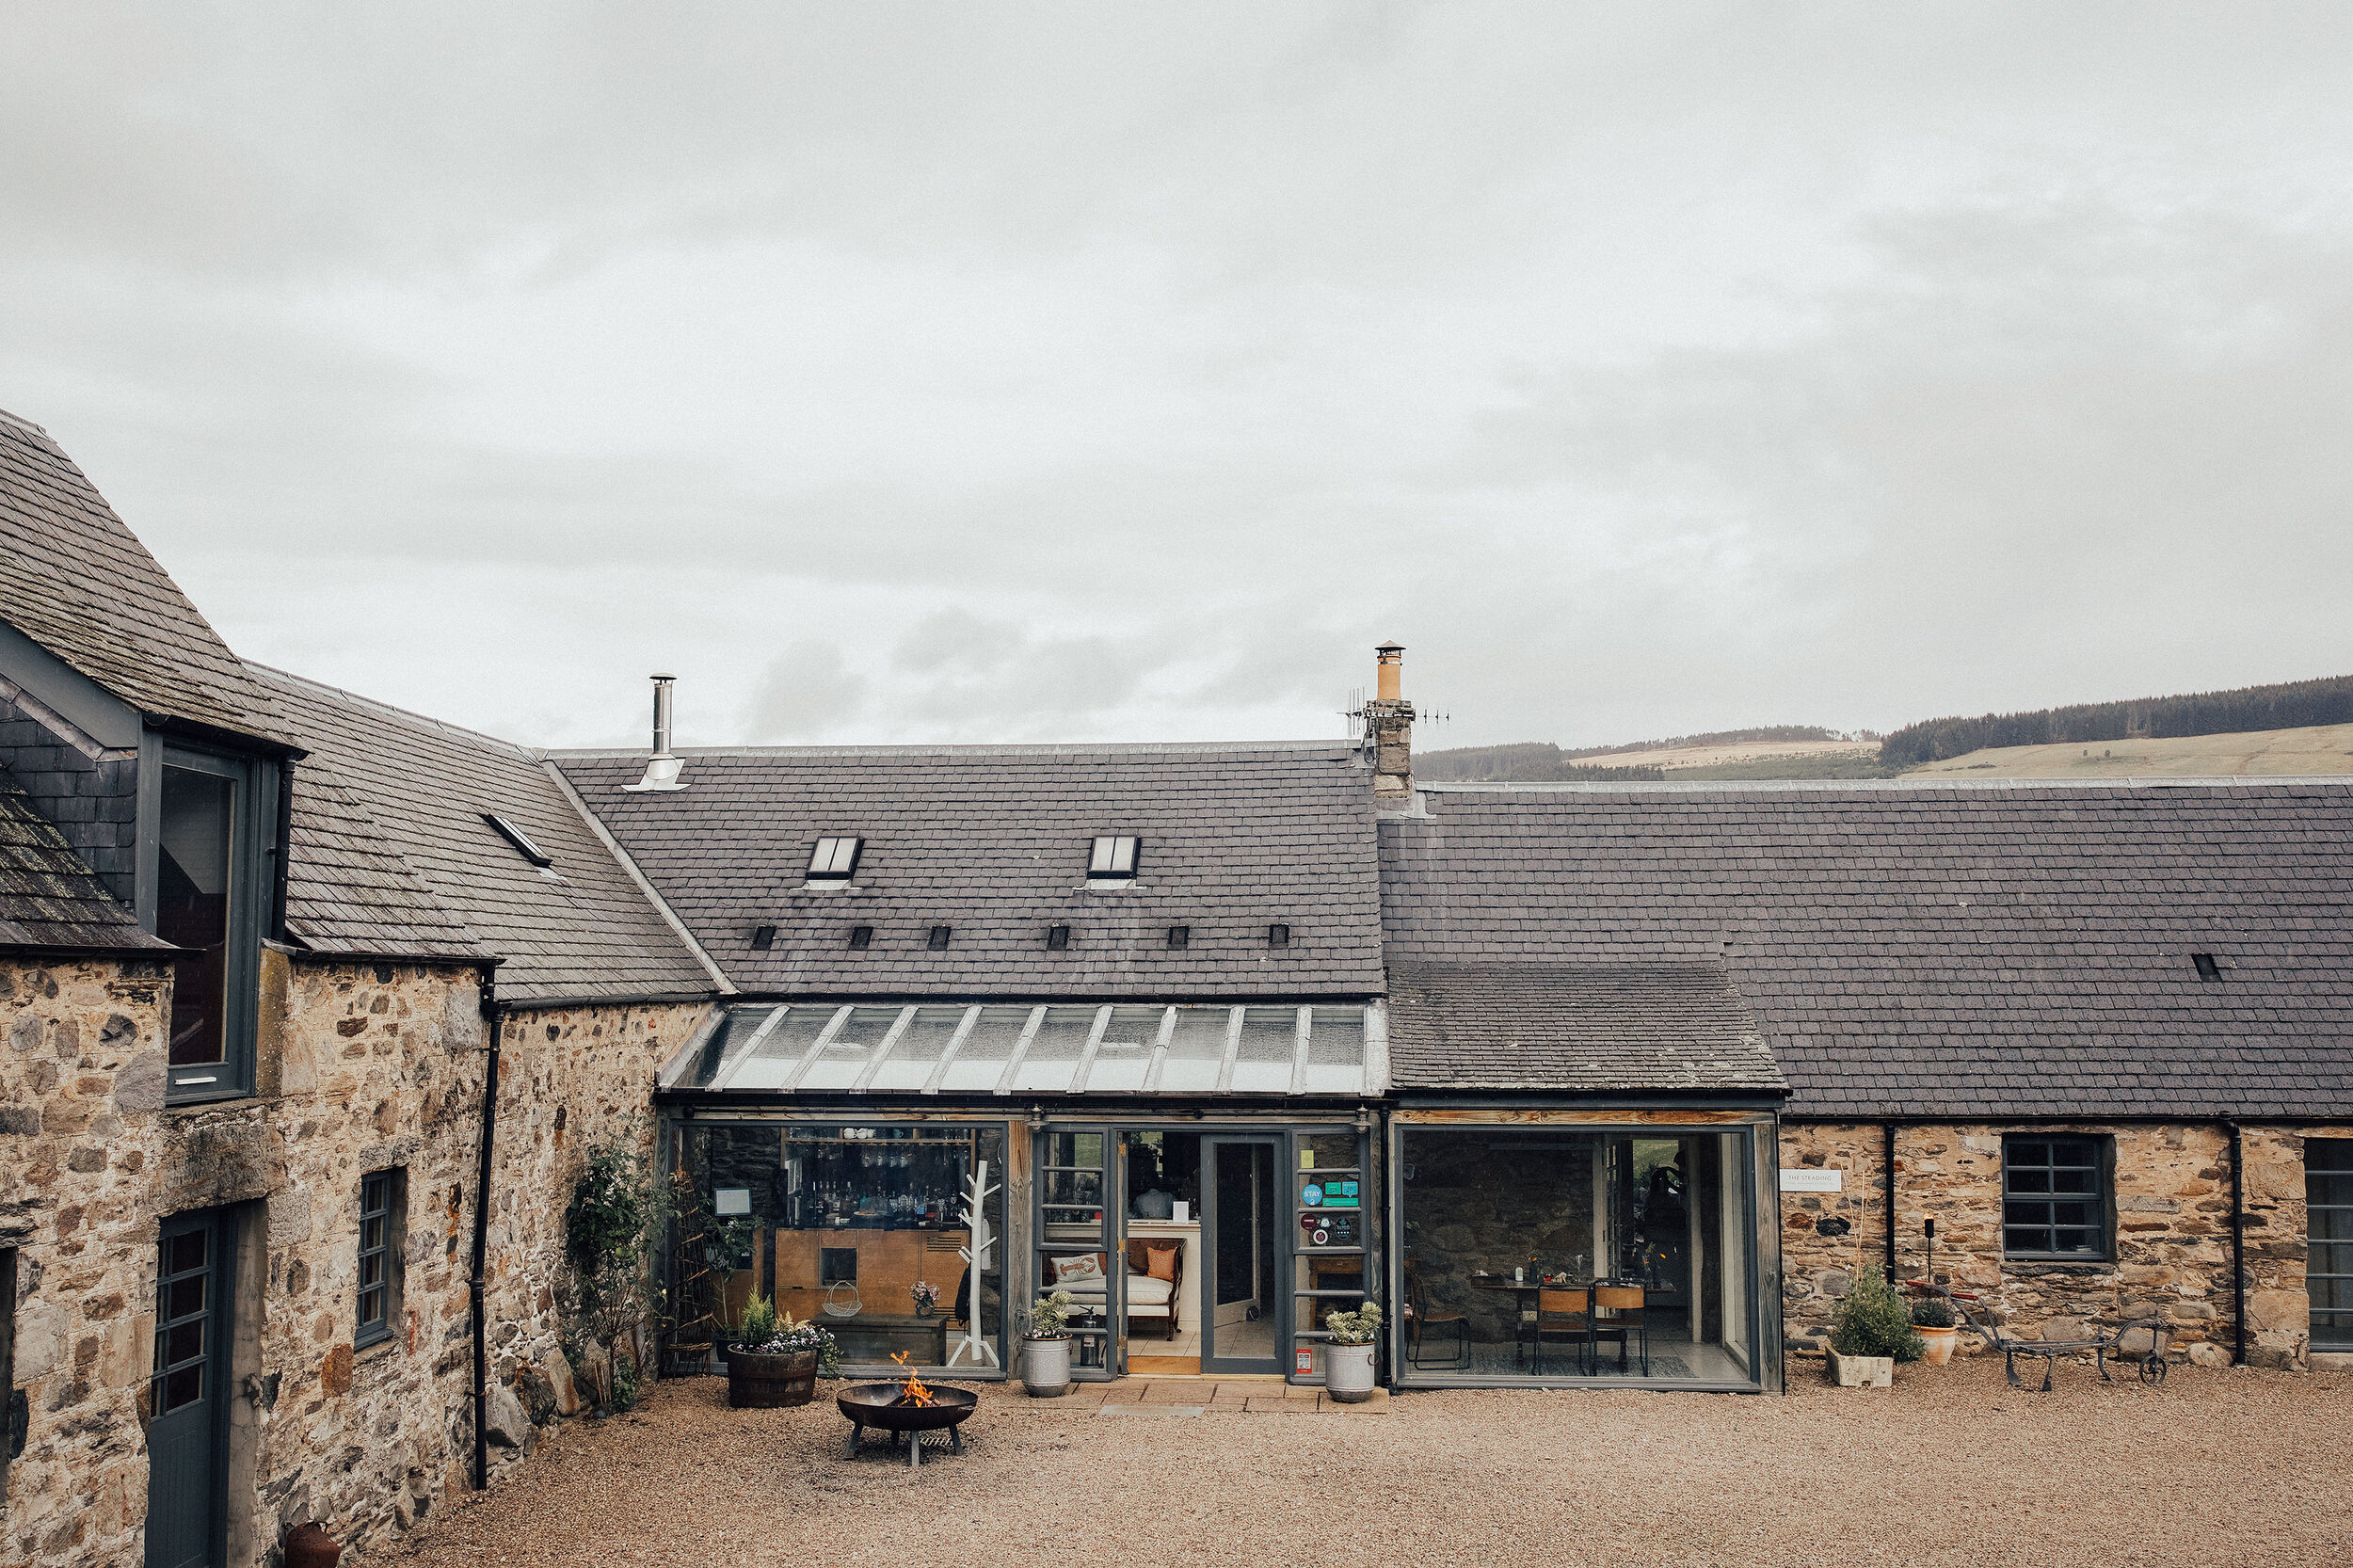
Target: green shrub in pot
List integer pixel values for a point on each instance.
(1872, 1320)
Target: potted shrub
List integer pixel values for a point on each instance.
(1347, 1360)
(774, 1359)
(1871, 1332)
(1932, 1320)
(1046, 1346)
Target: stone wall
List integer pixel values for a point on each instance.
(2172, 1240)
(362, 1067)
(80, 1081)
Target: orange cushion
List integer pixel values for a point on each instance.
(1153, 1260)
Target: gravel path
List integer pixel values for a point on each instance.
(1950, 1467)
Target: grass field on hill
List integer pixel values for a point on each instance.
(2325, 748)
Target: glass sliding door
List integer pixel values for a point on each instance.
(1242, 1304)
(1077, 1240)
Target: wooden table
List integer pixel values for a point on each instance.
(1526, 1289)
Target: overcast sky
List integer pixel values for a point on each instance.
(988, 372)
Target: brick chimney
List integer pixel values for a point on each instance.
(1389, 731)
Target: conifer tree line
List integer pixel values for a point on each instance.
(2290, 705)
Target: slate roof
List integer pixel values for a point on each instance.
(49, 899)
(1915, 951)
(391, 856)
(76, 581)
(992, 841)
(1672, 1025)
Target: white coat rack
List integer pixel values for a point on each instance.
(975, 1254)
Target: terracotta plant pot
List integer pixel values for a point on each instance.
(309, 1546)
(757, 1382)
(1936, 1343)
(1046, 1367)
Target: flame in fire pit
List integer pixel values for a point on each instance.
(914, 1392)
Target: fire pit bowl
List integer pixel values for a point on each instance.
(883, 1406)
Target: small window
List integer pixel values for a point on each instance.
(763, 937)
(379, 1255)
(1180, 936)
(521, 841)
(2207, 967)
(1057, 938)
(2054, 1197)
(939, 938)
(862, 938)
(1113, 860)
(833, 859)
(1278, 935)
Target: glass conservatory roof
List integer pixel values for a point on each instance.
(986, 1047)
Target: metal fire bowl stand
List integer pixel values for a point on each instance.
(877, 1405)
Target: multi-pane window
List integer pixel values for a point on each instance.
(2054, 1197)
(833, 859)
(377, 1258)
(184, 1319)
(1113, 860)
(2328, 1229)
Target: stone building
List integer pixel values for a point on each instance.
(253, 937)
(1617, 1085)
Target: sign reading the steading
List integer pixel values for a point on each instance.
(1812, 1181)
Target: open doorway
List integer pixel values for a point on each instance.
(1242, 1304)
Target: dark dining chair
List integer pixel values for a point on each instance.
(1618, 1315)
(1422, 1320)
(1565, 1316)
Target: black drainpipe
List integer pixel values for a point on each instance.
(492, 1022)
(1887, 1160)
(2238, 1248)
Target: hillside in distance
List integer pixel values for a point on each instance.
(2290, 729)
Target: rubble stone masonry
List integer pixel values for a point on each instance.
(2172, 1256)
(362, 1067)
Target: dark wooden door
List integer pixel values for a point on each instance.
(188, 1435)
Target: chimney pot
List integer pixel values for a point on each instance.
(1389, 729)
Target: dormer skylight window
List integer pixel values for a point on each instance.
(2207, 967)
(832, 861)
(1115, 859)
(1057, 938)
(521, 841)
(939, 942)
(763, 937)
(1278, 935)
(1180, 936)
(862, 938)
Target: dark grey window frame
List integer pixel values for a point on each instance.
(254, 850)
(2101, 1198)
(381, 1200)
(829, 877)
(2336, 1333)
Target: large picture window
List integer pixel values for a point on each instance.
(214, 815)
(1570, 1251)
(860, 1227)
(2054, 1197)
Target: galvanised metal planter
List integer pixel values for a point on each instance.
(1348, 1373)
(1046, 1367)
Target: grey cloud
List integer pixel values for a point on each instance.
(809, 692)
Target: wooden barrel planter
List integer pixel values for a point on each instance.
(757, 1382)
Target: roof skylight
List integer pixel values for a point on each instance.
(834, 859)
(2207, 967)
(1114, 859)
(521, 841)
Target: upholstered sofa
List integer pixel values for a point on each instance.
(1154, 1284)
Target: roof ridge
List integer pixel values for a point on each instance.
(529, 754)
(1887, 786)
(1044, 748)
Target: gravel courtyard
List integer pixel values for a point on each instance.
(1950, 1467)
